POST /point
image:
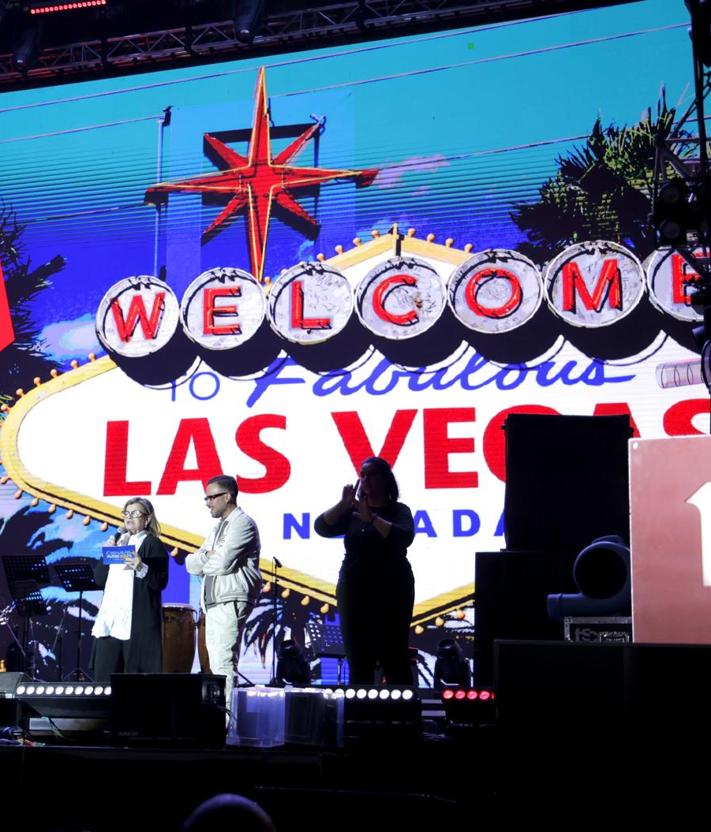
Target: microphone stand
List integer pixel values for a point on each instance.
(276, 564)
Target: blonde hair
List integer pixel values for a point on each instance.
(147, 509)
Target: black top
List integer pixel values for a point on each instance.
(146, 648)
(367, 551)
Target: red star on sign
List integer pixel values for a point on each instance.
(256, 181)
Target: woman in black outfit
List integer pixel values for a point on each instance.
(376, 588)
(127, 629)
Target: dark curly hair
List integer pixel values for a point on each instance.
(392, 492)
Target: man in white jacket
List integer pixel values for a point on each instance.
(228, 562)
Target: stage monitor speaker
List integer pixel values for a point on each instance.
(566, 480)
(653, 691)
(168, 709)
(669, 690)
(558, 688)
(9, 706)
(9, 682)
(511, 593)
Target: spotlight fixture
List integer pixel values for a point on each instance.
(451, 667)
(372, 714)
(292, 667)
(247, 15)
(602, 574)
(700, 29)
(467, 708)
(675, 211)
(55, 712)
(26, 45)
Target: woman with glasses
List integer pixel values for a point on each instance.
(127, 629)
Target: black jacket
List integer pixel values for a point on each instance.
(146, 644)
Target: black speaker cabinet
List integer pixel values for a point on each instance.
(168, 709)
(556, 687)
(511, 593)
(657, 691)
(566, 480)
(9, 682)
(10, 713)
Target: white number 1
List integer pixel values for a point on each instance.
(701, 499)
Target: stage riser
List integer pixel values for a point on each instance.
(613, 688)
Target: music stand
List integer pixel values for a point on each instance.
(77, 576)
(327, 643)
(26, 575)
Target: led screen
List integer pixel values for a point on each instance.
(355, 250)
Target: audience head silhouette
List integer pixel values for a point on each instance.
(229, 811)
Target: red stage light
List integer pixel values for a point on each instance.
(460, 694)
(64, 7)
(447, 694)
(484, 695)
(472, 694)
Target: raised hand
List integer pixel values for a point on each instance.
(348, 495)
(360, 504)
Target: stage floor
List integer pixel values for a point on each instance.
(425, 784)
(485, 776)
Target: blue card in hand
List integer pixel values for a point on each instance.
(116, 554)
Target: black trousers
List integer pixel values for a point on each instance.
(110, 656)
(375, 624)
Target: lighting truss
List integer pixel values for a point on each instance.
(293, 29)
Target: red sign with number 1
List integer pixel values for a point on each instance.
(670, 483)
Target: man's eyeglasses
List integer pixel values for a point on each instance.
(210, 497)
(132, 515)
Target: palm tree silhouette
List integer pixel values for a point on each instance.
(22, 534)
(262, 630)
(24, 359)
(602, 191)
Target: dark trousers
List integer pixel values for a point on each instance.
(376, 628)
(110, 656)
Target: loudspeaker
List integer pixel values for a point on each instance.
(567, 480)
(168, 709)
(669, 690)
(10, 681)
(560, 688)
(604, 690)
(9, 706)
(511, 593)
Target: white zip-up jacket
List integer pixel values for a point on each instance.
(230, 558)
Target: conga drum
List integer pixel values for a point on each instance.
(178, 638)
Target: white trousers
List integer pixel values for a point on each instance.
(224, 625)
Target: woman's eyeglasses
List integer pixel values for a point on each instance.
(132, 515)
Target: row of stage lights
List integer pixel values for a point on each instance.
(66, 7)
(393, 694)
(359, 694)
(468, 695)
(63, 690)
